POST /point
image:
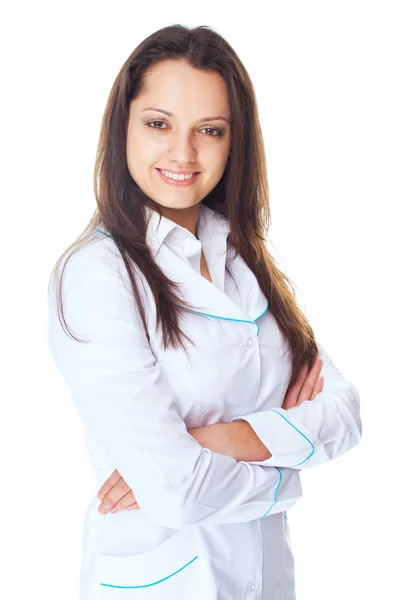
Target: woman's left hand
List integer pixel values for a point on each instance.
(116, 495)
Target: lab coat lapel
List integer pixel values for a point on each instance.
(254, 301)
(205, 297)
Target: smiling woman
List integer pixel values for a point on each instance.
(187, 324)
(185, 141)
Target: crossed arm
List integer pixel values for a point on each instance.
(189, 482)
(236, 439)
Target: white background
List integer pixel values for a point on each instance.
(326, 76)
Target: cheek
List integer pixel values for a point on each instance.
(144, 148)
(141, 163)
(216, 163)
(217, 155)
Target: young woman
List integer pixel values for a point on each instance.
(198, 378)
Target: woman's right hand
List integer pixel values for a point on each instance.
(306, 386)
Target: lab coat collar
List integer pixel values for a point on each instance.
(205, 297)
(209, 222)
(208, 299)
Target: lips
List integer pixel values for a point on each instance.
(175, 173)
(179, 183)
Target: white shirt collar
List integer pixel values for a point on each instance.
(212, 229)
(209, 222)
(168, 239)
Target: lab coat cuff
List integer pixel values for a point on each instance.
(290, 443)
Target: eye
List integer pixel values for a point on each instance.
(217, 132)
(149, 123)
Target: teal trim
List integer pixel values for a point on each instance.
(304, 436)
(227, 318)
(258, 330)
(207, 314)
(263, 313)
(276, 490)
(286, 517)
(149, 584)
(107, 234)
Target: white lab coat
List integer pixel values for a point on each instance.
(209, 527)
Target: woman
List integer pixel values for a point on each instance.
(198, 378)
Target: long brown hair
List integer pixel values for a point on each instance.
(241, 195)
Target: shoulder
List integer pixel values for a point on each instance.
(98, 251)
(96, 263)
(93, 287)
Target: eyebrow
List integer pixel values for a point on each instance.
(169, 114)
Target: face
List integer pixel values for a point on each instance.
(193, 137)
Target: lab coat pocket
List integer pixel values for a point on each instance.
(170, 570)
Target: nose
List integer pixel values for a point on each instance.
(182, 148)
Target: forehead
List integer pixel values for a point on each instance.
(181, 89)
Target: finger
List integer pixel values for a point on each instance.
(302, 376)
(318, 387)
(109, 484)
(114, 495)
(134, 506)
(314, 377)
(293, 392)
(122, 504)
(311, 381)
(308, 386)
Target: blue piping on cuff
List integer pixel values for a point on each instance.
(304, 436)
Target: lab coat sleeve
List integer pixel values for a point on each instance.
(316, 431)
(123, 395)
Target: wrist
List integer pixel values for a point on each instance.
(215, 437)
(245, 443)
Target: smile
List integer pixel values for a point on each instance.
(179, 182)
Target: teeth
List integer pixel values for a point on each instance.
(176, 176)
